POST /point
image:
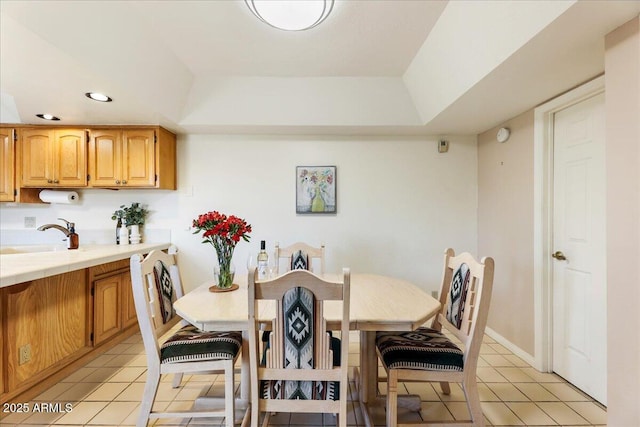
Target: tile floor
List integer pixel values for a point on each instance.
(106, 392)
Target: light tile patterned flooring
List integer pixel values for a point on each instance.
(107, 391)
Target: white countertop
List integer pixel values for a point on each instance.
(23, 267)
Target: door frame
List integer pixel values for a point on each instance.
(543, 216)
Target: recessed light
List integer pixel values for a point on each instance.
(48, 117)
(98, 97)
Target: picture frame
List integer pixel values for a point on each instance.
(316, 190)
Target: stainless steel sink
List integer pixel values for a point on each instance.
(28, 249)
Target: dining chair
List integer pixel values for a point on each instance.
(299, 256)
(156, 285)
(299, 374)
(427, 354)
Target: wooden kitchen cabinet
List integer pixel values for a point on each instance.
(3, 389)
(113, 307)
(106, 300)
(8, 137)
(132, 158)
(48, 319)
(129, 315)
(53, 158)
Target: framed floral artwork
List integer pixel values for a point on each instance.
(316, 189)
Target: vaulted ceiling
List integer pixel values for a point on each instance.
(374, 67)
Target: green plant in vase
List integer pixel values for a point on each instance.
(133, 217)
(135, 214)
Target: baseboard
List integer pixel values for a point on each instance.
(511, 347)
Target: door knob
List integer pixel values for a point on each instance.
(559, 256)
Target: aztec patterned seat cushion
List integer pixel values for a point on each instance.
(300, 261)
(458, 295)
(298, 306)
(424, 348)
(164, 286)
(190, 344)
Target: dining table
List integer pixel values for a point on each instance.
(377, 303)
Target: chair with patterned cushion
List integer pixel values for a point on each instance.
(156, 285)
(299, 375)
(299, 256)
(427, 354)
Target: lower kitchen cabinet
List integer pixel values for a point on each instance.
(114, 309)
(47, 324)
(45, 327)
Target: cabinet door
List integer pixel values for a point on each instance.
(70, 158)
(107, 320)
(105, 153)
(129, 316)
(7, 165)
(49, 316)
(139, 160)
(36, 147)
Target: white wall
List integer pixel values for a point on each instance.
(400, 202)
(622, 107)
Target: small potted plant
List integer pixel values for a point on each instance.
(132, 217)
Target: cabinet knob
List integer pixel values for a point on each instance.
(117, 181)
(49, 181)
(124, 181)
(55, 181)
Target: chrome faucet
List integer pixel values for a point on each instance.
(73, 240)
(57, 227)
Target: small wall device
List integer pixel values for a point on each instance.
(443, 146)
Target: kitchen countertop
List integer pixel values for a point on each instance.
(22, 267)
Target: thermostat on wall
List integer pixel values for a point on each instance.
(443, 146)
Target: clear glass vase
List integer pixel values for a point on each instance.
(223, 274)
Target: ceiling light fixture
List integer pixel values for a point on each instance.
(96, 96)
(291, 15)
(48, 117)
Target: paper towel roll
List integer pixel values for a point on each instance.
(63, 197)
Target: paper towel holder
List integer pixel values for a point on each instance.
(58, 196)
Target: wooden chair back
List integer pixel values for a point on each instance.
(156, 285)
(473, 281)
(276, 290)
(284, 255)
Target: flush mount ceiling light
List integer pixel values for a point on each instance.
(291, 15)
(98, 97)
(48, 117)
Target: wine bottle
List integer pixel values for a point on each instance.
(263, 262)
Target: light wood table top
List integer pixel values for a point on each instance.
(377, 303)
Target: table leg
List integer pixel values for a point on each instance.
(245, 382)
(368, 366)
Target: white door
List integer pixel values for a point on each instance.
(579, 280)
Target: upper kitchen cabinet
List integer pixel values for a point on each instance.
(132, 158)
(7, 164)
(53, 157)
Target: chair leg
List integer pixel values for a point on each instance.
(392, 398)
(229, 395)
(470, 388)
(254, 407)
(177, 380)
(445, 388)
(265, 422)
(149, 396)
(341, 417)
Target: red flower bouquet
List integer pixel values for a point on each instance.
(223, 232)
